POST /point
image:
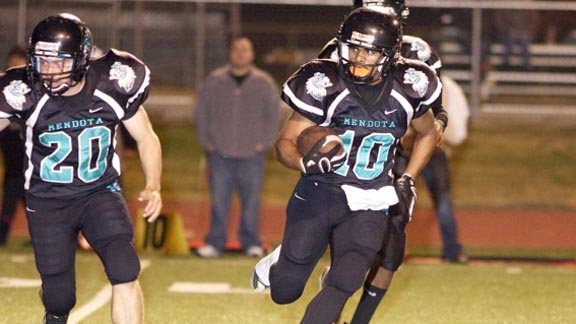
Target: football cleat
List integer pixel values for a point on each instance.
(260, 277)
(323, 276)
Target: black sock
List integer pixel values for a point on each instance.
(371, 297)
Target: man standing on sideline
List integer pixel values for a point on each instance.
(237, 116)
(12, 147)
(72, 107)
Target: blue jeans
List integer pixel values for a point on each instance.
(226, 175)
(436, 174)
(520, 42)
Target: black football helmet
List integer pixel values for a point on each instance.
(64, 39)
(375, 29)
(399, 6)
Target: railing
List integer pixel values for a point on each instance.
(181, 40)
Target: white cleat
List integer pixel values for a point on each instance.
(260, 281)
(323, 275)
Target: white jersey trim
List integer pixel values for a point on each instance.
(28, 144)
(301, 104)
(111, 102)
(333, 106)
(405, 105)
(143, 87)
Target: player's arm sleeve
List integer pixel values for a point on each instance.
(304, 95)
(131, 79)
(137, 99)
(433, 97)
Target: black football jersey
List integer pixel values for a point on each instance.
(370, 131)
(70, 141)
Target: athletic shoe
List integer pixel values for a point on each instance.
(323, 276)
(208, 251)
(53, 319)
(260, 280)
(255, 251)
(461, 258)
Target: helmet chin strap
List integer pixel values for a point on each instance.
(60, 89)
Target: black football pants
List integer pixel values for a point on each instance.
(317, 217)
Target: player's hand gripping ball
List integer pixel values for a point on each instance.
(321, 149)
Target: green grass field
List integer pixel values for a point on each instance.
(528, 165)
(501, 165)
(423, 292)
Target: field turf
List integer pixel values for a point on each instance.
(217, 291)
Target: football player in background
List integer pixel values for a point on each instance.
(71, 107)
(436, 175)
(12, 147)
(370, 96)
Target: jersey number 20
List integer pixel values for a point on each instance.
(90, 168)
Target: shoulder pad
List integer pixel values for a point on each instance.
(418, 84)
(312, 87)
(418, 49)
(16, 93)
(127, 73)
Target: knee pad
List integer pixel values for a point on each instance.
(121, 262)
(348, 272)
(287, 290)
(58, 296)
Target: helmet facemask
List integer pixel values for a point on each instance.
(59, 53)
(374, 67)
(57, 72)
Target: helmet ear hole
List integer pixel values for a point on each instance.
(60, 36)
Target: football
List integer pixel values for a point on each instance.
(312, 135)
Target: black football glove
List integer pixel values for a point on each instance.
(406, 191)
(316, 162)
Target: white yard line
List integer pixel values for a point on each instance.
(206, 288)
(97, 302)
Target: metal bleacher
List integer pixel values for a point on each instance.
(551, 74)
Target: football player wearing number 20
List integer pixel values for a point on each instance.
(72, 107)
(370, 96)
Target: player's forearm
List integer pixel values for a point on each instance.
(424, 146)
(287, 154)
(150, 152)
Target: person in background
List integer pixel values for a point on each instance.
(370, 96)
(237, 117)
(516, 30)
(71, 107)
(12, 147)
